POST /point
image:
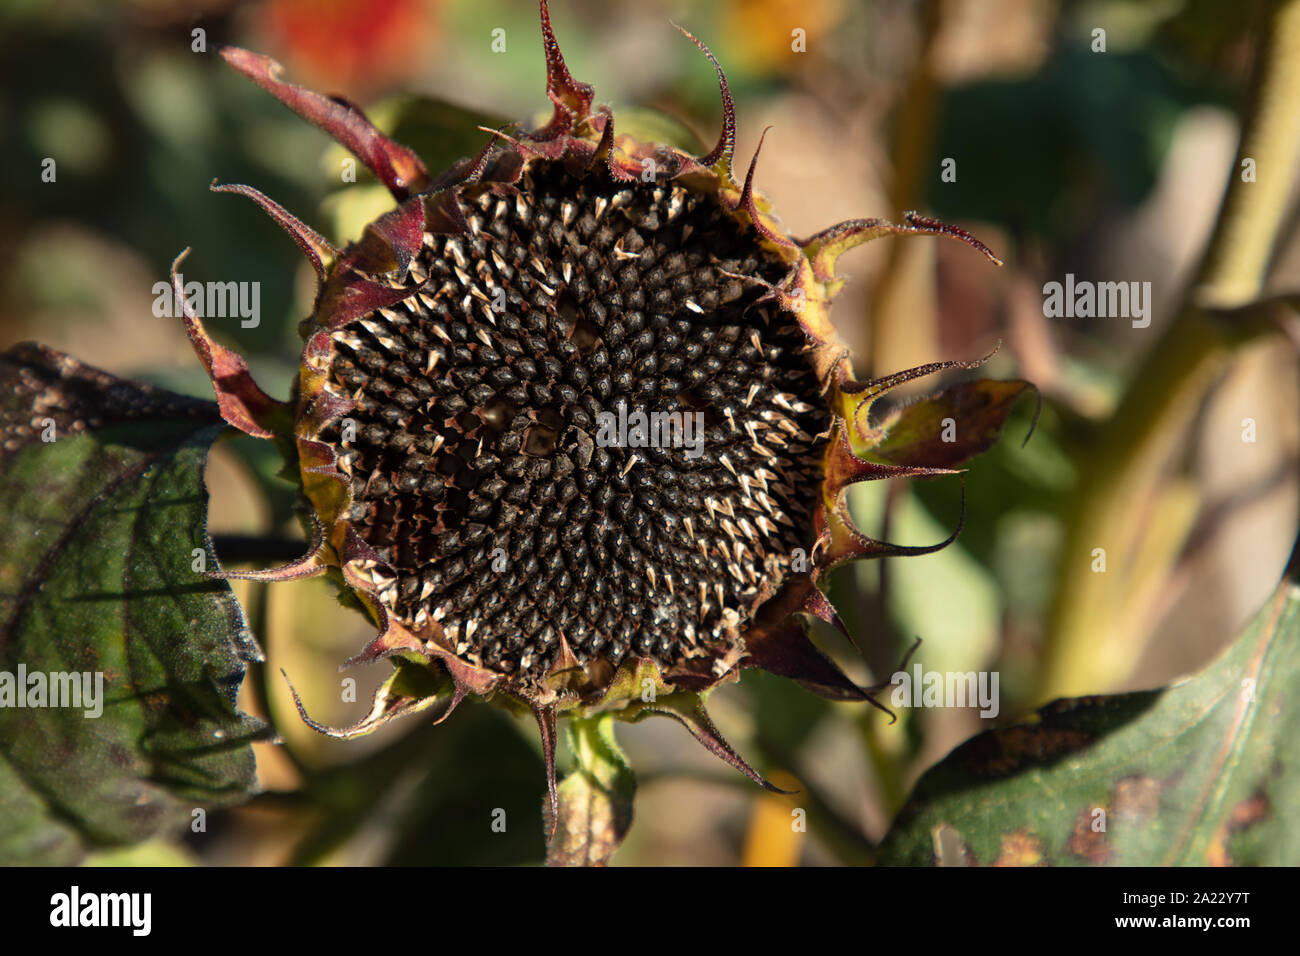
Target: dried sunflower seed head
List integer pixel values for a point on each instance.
(582, 426)
(573, 421)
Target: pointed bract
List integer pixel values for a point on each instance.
(313, 245)
(824, 248)
(719, 158)
(691, 714)
(572, 99)
(396, 166)
(242, 402)
(310, 565)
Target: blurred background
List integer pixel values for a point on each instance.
(1108, 163)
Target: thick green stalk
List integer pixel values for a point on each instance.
(1092, 641)
(595, 798)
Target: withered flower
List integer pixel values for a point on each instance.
(486, 381)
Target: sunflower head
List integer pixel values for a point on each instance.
(573, 423)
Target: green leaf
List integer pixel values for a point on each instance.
(103, 506)
(1206, 771)
(595, 799)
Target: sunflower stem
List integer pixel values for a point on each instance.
(595, 798)
(889, 775)
(1091, 642)
(899, 335)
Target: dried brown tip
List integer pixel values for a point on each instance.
(726, 146)
(397, 167)
(313, 245)
(572, 99)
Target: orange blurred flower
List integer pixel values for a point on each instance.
(342, 44)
